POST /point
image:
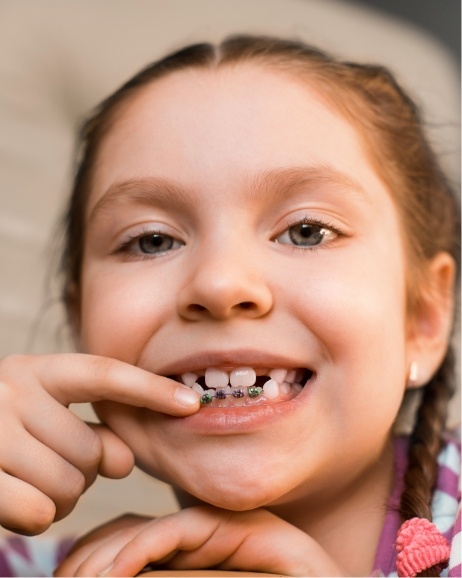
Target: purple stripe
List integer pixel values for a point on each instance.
(452, 532)
(385, 557)
(458, 524)
(456, 571)
(448, 481)
(19, 545)
(5, 569)
(63, 548)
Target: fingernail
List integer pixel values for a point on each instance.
(185, 396)
(105, 571)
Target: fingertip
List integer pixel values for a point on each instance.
(186, 397)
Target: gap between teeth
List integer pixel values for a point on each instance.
(239, 377)
(237, 382)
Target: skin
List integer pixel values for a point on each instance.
(227, 171)
(215, 148)
(54, 460)
(214, 160)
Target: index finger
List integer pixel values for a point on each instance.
(80, 378)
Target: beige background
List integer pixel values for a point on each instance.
(58, 58)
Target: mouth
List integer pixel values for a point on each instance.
(245, 386)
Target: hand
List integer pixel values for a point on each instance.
(197, 538)
(48, 456)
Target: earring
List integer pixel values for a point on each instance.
(413, 373)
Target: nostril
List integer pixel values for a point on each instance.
(196, 307)
(246, 305)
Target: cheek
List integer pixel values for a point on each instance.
(356, 310)
(121, 312)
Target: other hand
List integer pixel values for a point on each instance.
(197, 538)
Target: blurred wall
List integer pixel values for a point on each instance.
(58, 59)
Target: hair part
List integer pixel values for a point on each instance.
(390, 124)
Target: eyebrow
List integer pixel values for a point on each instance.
(155, 191)
(273, 185)
(278, 183)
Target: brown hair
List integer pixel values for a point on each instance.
(389, 122)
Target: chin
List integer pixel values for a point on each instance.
(235, 501)
(234, 494)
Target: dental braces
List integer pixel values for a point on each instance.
(238, 392)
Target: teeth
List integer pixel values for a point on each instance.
(278, 375)
(243, 377)
(215, 377)
(290, 377)
(242, 382)
(189, 379)
(284, 387)
(271, 389)
(198, 388)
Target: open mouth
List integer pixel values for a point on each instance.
(245, 385)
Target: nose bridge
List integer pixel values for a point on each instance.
(227, 277)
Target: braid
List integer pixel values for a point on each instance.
(424, 447)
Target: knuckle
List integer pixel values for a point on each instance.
(13, 371)
(74, 486)
(93, 449)
(69, 494)
(102, 369)
(13, 362)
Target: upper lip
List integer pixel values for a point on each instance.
(229, 360)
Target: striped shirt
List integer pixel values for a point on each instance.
(445, 508)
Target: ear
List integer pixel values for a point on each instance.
(430, 324)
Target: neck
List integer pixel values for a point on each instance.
(347, 523)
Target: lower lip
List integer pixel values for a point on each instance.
(242, 419)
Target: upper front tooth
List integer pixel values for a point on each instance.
(278, 375)
(189, 378)
(216, 377)
(243, 377)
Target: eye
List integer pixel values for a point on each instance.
(149, 243)
(307, 233)
(157, 243)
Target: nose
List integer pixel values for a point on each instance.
(223, 286)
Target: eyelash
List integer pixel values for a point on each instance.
(124, 248)
(327, 225)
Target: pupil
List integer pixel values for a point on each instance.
(306, 234)
(155, 243)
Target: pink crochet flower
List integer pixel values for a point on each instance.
(420, 546)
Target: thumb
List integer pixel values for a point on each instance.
(117, 460)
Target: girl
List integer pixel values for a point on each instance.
(260, 267)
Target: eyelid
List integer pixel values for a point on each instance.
(321, 223)
(145, 231)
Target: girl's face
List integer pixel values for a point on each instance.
(235, 221)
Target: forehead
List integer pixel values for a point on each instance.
(210, 127)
